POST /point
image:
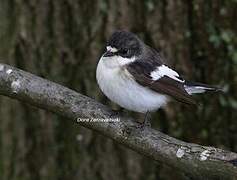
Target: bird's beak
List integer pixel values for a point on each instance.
(108, 54)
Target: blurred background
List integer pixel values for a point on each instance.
(62, 41)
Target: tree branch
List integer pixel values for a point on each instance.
(192, 159)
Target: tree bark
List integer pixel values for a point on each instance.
(192, 159)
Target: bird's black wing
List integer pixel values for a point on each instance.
(173, 87)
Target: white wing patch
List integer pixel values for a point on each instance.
(164, 71)
(111, 49)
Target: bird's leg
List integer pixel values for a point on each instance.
(146, 121)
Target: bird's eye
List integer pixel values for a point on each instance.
(124, 51)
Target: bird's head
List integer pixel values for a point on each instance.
(124, 44)
(122, 48)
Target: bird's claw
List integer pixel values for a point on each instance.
(143, 125)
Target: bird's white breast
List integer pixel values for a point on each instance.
(119, 86)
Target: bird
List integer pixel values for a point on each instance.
(138, 78)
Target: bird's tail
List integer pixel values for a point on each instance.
(194, 88)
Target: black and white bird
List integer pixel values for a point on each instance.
(136, 77)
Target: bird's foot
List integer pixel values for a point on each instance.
(146, 122)
(142, 126)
